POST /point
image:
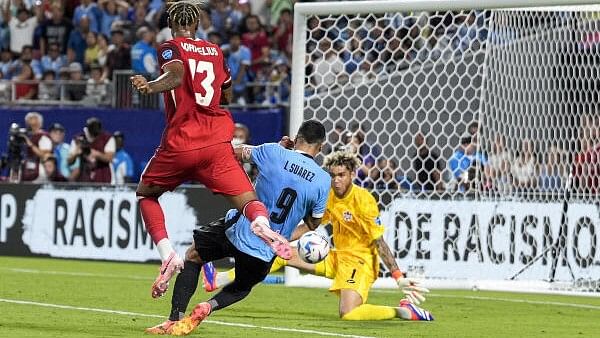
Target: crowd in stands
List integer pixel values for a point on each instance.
(497, 170)
(87, 40)
(93, 155)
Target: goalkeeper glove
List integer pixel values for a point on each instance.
(412, 291)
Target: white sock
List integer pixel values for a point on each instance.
(164, 248)
(223, 279)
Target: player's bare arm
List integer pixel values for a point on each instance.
(386, 254)
(310, 223)
(170, 79)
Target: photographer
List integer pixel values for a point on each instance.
(95, 148)
(39, 145)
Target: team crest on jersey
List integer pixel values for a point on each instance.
(347, 216)
(377, 220)
(167, 54)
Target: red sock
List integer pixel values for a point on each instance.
(154, 218)
(254, 209)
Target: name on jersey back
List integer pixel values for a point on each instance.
(298, 170)
(210, 51)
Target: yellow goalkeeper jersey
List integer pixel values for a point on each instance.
(355, 222)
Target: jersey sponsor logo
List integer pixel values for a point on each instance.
(207, 51)
(167, 54)
(347, 216)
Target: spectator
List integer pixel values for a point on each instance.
(112, 10)
(281, 74)
(88, 9)
(238, 60)
(215, 37)
(75, 91)
(241, 135)
(61, 149)
(25, 88)
(39, 146)
(102, 51)
(334, 140)
(97, 88)
(95, 148)
(277, 7)
(55, 30)
(223, 18)
(553, 170)
(143, 54)
(164, 31)
(499, 164)
(51, 171)
(523, 168)
(140, 18)
(77, 41)
(241, 10)
(6, 60)
(92, 51)
(387, 177)
(54, 61)
(464, 159)
(48, 89)
(122, 162)
(586, 166)
(26, 58)
(255, 39)
(427, 166)
(205, 26)
(282, 33)
(119, 54)
(21, 28)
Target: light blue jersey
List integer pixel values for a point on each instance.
(292, 186)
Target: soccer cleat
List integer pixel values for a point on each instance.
(260, 227)
(416, 312)
(169, 267)
(209, 277)
(189, 323)
(162, 328)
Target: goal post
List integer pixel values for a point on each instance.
(478, 123)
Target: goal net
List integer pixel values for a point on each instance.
(478, 128)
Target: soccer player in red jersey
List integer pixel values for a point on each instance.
(196, 142)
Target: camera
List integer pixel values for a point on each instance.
(16, 134)
(84, 145)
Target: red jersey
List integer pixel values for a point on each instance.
(193, 115)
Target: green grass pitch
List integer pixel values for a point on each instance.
(64, 298)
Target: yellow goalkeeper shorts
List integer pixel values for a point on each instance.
(347, 272)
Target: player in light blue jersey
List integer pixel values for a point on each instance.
(292, 186)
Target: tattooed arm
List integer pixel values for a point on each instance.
(386, 254)
(170, 79)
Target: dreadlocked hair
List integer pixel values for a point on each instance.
(342, 158)
(186, 13)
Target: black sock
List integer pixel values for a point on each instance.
(229, 295)
(184, 289)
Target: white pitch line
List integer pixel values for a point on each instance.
(78, 274)
(216, 322)
(526, 301)
(510, 300)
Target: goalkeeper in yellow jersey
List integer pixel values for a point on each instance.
(354, 263)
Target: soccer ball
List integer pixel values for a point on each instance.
(313, 247)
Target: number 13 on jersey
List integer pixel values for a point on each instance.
(206, 84)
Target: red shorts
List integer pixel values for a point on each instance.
(214, 166)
